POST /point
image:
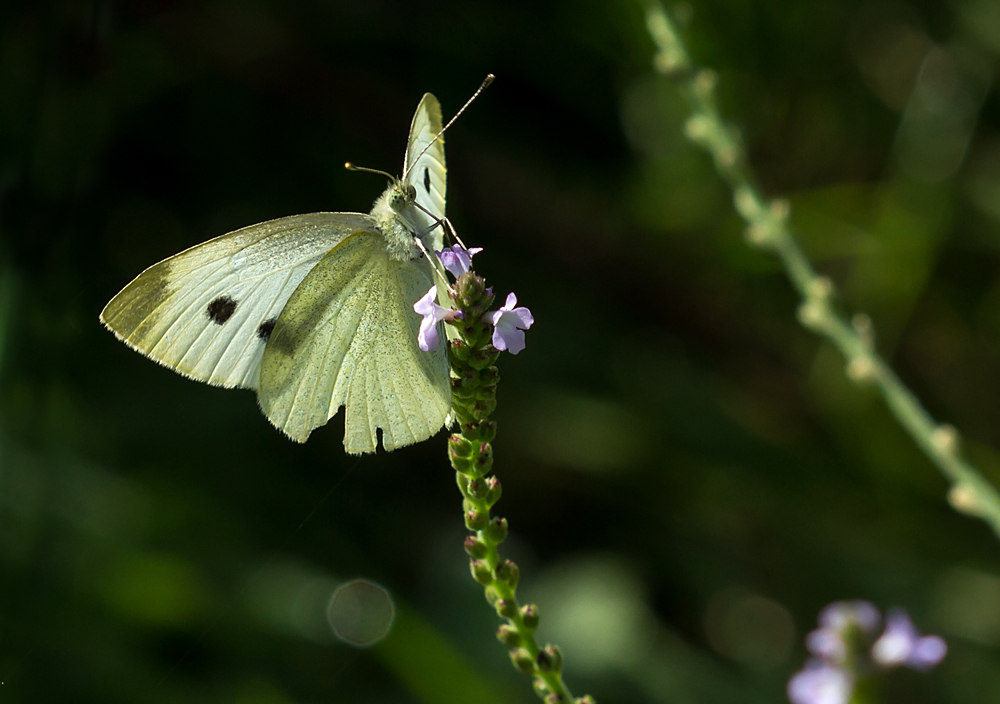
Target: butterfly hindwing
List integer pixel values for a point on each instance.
(347, 336)
(426, 172)
(208, 312)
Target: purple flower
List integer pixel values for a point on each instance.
(841, 614)
(427, 337)
(457, 260)
(820, 683)
(830, 640)
(508, 325)
(901, 644)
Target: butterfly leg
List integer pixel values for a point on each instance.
(443, 222)
(433, 259)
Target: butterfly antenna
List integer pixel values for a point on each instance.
(353, 167)
(482, 86)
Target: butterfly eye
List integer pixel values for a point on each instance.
(411, 192)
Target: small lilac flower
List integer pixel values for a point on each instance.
(841, 614)
(509, 324)
(820, 683)
(902, 644)
(427, 337)
(457, 260)
(836, 620)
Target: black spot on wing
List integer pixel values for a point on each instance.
(266, 328)
(221, 309)
(427, 180)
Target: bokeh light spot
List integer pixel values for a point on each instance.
(360, 613)
(749, 628)
(968, 604)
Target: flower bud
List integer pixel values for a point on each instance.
(726, 155)
(963, 498)
(476, 520)
(671, 63)
(508, 572)
(474, 488)
(747, 203)
(529, 616)
(555, 698)
(484, 462)
(458, 350)
(477, 489)
(820, 287)
(460, 464)
(698, 128)
(496, 531)
(759, 235)
(458, 445)
(541, 688)
(550, 659)
(812, 314)
(481, 571)
(475, 547)
(487, 431)
(481, 359)
(780, 209)
(506, 608)
(509, 636)
(945, 439)
(480, 431)
(704, 83)
(585, 700)
(523, 661)
(492, 597)
(486, 392)
(493, 484)
(862, 369)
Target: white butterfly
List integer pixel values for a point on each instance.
(313, 311)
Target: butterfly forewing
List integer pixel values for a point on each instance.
(208, 311)
(310, 310)
(426, 172)
(347, 337)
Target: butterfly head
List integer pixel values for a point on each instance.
(398, 216)
(401, 195)
(398, 219)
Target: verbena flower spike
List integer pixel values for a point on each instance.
(473, 355)
(845, 658)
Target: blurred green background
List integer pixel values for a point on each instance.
(688, 474)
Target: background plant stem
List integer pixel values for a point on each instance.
(768, 228)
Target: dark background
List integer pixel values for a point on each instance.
(689, 476)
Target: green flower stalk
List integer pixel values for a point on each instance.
(477, 340)
(768, 228)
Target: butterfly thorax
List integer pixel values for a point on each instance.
(395, 216)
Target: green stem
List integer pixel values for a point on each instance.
(768, 228)
(470, 451)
